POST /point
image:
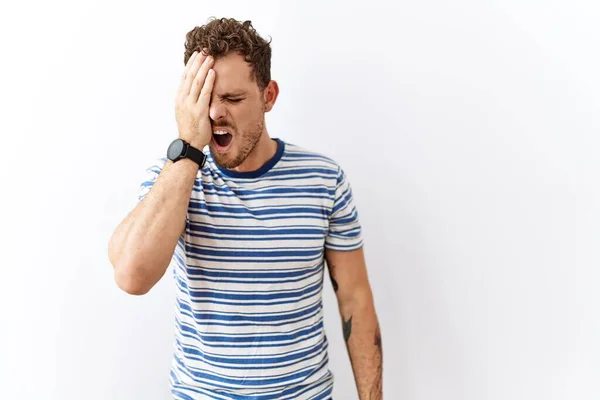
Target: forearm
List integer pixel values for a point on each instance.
(363, 342)
(142, 246)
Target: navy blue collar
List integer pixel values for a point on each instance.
(262, 170)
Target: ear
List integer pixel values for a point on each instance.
(270, 95)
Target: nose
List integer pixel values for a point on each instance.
(216, 110)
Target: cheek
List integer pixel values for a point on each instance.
(246, 114)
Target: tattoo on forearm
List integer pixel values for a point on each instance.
(347, 329)
(377, 388)
(333, 281)
(378, 338)
(334, 284)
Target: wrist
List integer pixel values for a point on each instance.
(179, 149)
(199, 144)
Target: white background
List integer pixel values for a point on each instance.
(468, 129)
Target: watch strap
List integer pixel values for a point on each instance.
(195, 155)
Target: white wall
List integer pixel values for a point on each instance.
(470, 133)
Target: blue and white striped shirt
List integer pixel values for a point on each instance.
(249, 273)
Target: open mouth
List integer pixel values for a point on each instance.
(222, 139)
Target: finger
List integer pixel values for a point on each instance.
(199, 79)
(191, 74)
(207, 88)
(189, 63)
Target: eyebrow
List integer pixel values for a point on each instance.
(239, 93)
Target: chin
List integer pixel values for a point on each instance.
(227, 159)
(238, 150)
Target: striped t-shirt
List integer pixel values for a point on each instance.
(249, 274)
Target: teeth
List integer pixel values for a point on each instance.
(220, 132)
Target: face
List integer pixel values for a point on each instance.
(237, 111)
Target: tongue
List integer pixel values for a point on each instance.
(223, 140)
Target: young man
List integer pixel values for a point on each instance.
(249, 227)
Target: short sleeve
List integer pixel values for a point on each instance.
(149, 177)
(345, 232)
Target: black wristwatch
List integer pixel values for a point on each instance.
(179, 149)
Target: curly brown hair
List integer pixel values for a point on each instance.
(224, 35)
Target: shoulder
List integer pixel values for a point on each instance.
(156, 164)
(152, 168)
(302, 157)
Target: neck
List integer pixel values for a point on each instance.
(264, 150)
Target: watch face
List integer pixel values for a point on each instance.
(175, 149)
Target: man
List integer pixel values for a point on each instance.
(248, 227)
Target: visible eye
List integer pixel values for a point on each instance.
(234, 100)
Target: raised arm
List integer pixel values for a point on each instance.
(143, 244)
